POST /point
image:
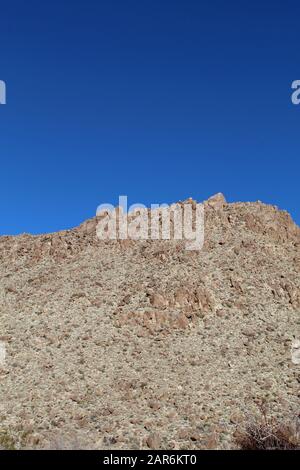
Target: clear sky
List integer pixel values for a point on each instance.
(156, 99)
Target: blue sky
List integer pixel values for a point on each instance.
(159, 100)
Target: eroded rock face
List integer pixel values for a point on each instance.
(113, 343)
(197, 300)
(217, 201)
(154, 320)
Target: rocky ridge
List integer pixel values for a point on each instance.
(138, 344)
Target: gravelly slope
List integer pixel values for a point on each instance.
(144, 344)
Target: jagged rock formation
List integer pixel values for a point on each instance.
(131, 344)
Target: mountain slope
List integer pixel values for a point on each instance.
(138, 344)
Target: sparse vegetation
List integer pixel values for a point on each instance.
(6, 441)
(265, 433)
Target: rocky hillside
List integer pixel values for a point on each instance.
(142, 344)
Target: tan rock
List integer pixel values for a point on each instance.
(217, 201)
(158, 300)
(153, 441)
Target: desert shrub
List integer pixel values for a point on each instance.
(266, 433)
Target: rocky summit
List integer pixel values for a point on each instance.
(143, 344)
